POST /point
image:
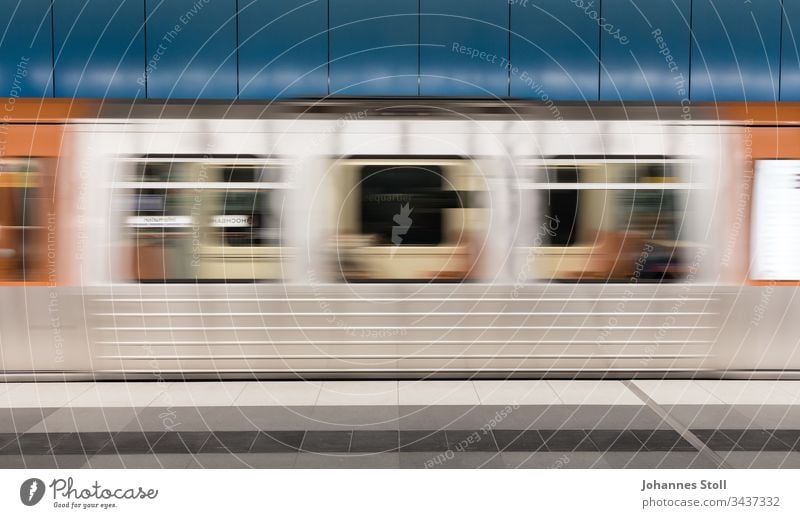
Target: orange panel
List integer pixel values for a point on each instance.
(44, 110)
(30, 140)
(35, 128)
(776, 142)
(785, 114)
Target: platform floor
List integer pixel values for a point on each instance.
(406, 424)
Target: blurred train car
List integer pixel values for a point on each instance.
(366, 239)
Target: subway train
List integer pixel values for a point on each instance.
(397, 239)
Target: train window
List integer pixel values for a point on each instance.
(203, 220)
(408, 218)
(561, 208)
(160, 222)
(243, 212)
(160, 172)
(22, 229)
(404, 204)
(622, 218)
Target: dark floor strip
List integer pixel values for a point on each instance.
(87, 443)
(423, 440)
(326, 442)
(750, 440)
(229, 442)
(519, 440)
(382, 441)
(392, 441)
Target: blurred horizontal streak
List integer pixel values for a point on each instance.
(411, 356)
(370, 328)
(415, 299)
(314, 343)
(459, 372)
(408, 313)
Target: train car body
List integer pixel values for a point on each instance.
(371, 239)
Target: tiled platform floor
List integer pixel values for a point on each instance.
(415, 424)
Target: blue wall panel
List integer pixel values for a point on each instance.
(283, 48)
(191, 49)
(451, 33)
(26, 49)
(738, 50)
(374, 47)
(554, 51)
(99, 47)
(735, 50)
(790, 55)
(645, 50)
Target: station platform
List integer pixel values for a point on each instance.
(405, 424)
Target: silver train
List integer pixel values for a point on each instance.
(375, 239)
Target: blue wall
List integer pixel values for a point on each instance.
(790, 55)
(26, 49)
(283, 48)
(564, 50)
(648, 59)
(191, 49)
(464, 48)
(736, 55)
(99, 48)
(554, 50)
(374, 47)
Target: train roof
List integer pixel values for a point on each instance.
(55, 110)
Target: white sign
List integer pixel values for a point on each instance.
(775, 241)
(160, 221)
(231, 221)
